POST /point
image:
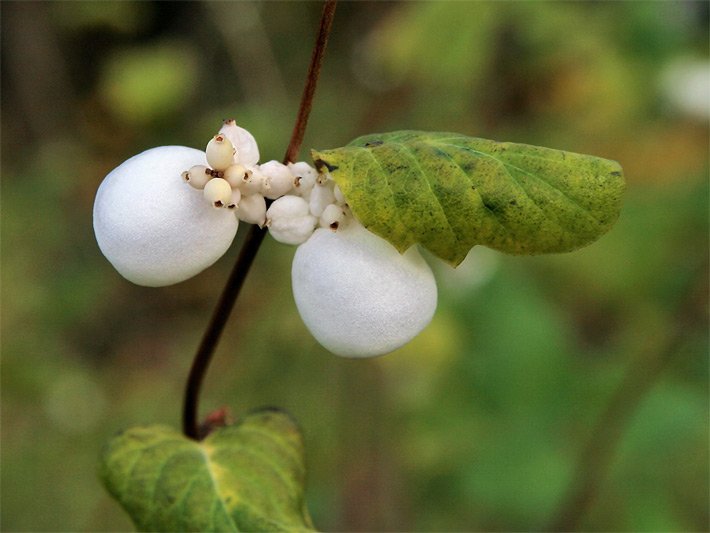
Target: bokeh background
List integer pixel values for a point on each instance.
(566, 391)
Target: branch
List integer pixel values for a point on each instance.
(230, 293)
(299, 129)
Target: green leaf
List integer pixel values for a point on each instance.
(244, 477)
(449, 192)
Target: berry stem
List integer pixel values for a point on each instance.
(299, 129)
(252, 242)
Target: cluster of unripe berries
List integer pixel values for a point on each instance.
(355, 292)
(233, 179)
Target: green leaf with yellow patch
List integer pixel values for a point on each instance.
(244, 477)
(449, 192)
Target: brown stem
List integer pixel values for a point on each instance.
(299, 129)
(190, 422)
(190, 425)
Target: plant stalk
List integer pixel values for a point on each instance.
(252, 242)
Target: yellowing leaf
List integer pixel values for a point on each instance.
(449, 192)
(245, 477)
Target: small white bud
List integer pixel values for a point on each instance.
(333, 217)
(254, 182)
(234, 200)
(358, 295)
(304, 178)
(220, 152)
(197, 176)
(339, 198)
(235, 175)
(281, 179)
(321, 197)
(217, 192)
(289, 220)
(288, 206)
(252, 209)
(247, 151)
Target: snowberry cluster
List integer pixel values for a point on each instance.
(357, 295)
(232, 179)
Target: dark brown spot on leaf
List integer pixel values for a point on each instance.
(320, 164)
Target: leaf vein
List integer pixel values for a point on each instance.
(206, 455)
(292, 450)
(433, 193)
(387, 183)
(564, 230)
(540, 179)
(492, 215)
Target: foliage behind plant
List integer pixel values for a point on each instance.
(487, 412)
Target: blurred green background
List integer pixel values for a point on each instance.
(567, 391)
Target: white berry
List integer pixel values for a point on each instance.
(280, 179)
(289, 220)
(152, 228)
(304, 177)
(197, 176)
(333, 217)
(218, 192)
(339, 198)
(358, 295)
(247, 151)
(234, 199)
(220, 152)
(252, 209)
(321, 197)
(236, 175)
(254, 182)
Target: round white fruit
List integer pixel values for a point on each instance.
(155, 229)
(252, 209)
(220, 152)
(358, 295)
(217, 192)
(247, 151)
(289, 221)
(321, 197)
(279, 178)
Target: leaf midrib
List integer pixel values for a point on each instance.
(540, 179)
(205, 452)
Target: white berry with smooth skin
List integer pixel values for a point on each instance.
(220, 152)
(152, 227)
(252, 209)
(332, 218)
(234, 199)
(236, 175)
(218, 192)
(247, 151)
(197, 176)
(321, 197)
(304, 177)
(358, 295)
(339, 198)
